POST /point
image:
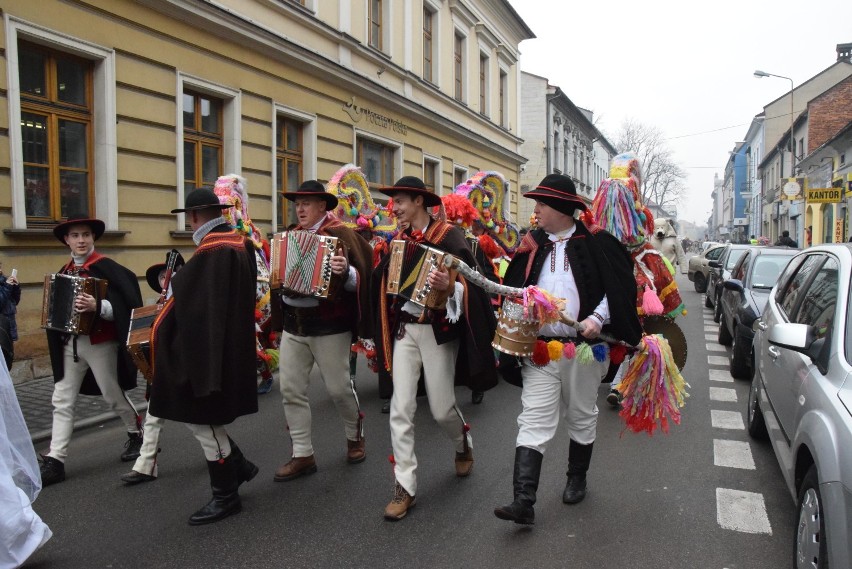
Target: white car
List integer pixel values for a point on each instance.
(801, 397)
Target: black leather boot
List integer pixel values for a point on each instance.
(246, 470)
(525, 485)
(579, 458)
(226, 499)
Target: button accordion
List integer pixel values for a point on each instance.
(301, 264)
(57, 307)
(410, 264)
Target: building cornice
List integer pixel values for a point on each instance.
(272, 43)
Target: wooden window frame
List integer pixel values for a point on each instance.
(458, 67)
(202, 138)
(483, 84)
(504, 83)
(284, 157)
(428, 45)
(54, 110)
(388, 157)
(376, 24)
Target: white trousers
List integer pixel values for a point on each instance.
(101, 358)
(214, 440)
(419, 349)
(565, 386)
(331, 354)
(147, 461)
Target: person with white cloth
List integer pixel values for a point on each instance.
(22, 532)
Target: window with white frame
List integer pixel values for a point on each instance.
(483, 84)
(428, 45)
(377, 160)
(458, 66)
(504, 90)
(432, 174)
(378, 25)
(289, 158)
(459, 175)
(62, 145)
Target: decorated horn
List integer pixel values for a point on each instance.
(453, 262)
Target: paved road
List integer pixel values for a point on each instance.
(660, 502)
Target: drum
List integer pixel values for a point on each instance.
(57, 307)
(517, 331)
(139, 337)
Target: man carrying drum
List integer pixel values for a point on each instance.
(321, 331)
(453, 342)
(591, 270)
(96, 363)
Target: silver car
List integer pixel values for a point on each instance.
(801, 397)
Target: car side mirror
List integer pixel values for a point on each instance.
(714, 264)
(799, 338)
(735, 285)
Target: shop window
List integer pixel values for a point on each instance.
(289, 158)
(56, 126)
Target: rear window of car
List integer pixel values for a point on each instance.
(766, 269)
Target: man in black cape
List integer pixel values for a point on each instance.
(203, 349)
(451, 343)
(96, 363)
(592, 271)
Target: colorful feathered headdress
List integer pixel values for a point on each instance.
(618, 207)
(231, 190)
(487, 191)
(356, 208)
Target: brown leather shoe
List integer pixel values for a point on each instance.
(401, 503)
(464, 463)
(298, 466)
(355, 451)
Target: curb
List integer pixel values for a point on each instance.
(44, 435)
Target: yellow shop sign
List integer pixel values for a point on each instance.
(823, 195)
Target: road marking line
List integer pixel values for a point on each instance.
(709, 336)
(715, 348)
(721, 375)
(732, 454)
(717, 361)
(713, 328)
(741, 511)
(726, 419)
(723, 394)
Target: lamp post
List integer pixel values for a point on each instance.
(761, 74)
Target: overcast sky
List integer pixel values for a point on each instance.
(685, 67)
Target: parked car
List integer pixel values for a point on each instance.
(706, 245)
(719, 272)
(801, 397)
(743, 298)
(699, 268)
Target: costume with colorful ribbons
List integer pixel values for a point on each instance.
(231, 190)
(486, 192)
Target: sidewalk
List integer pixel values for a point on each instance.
(35, 399)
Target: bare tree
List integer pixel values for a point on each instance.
(663, 180)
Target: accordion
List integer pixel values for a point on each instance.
(139, 337)
(301, 264)
(57, 307)
(410, 264)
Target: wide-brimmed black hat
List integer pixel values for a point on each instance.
(152, 275)
(61, 230)
(558, 192)
(312, 188)
(415, 187)
(201, 198)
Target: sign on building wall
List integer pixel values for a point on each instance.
(838, 231)
(823, 195)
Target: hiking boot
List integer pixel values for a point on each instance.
(355, 451)
(464, 463)
(400, 504)
(298, 466)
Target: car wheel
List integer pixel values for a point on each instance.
(724, 337)
(707, 303)
(740, 352)
(810, 547)
(700, 283)
(754, 416)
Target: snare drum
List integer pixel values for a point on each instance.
(516, 332)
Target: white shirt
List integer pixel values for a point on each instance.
(561, 284)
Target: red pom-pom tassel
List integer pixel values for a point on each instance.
(540, 355)
(617, 353)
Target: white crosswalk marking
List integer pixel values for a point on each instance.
(723, 394)
(709, 322)
(732, 454)
(709, 336)
(741, 511)
(721, 375)
(726, 419)
(715, 348)
(717, 360)
(713, 328)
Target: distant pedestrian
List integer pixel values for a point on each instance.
(10, 296)
(786, 241)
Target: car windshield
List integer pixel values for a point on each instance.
(766, 270)
(733, 257)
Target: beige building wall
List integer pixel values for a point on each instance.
(266, 61)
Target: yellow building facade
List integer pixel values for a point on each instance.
(117, 108)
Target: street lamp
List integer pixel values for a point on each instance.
(761, 74)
